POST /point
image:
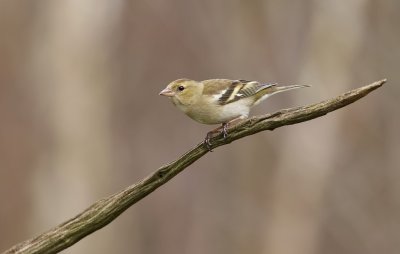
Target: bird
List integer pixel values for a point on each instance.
(220, 101)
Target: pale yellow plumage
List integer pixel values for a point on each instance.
(219, 101)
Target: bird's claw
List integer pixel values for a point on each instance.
(207, 141)
(225, 130)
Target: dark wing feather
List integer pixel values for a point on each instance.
(240, 89)
(226, 96)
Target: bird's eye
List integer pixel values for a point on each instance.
(181, 88)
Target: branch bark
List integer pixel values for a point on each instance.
(107, 209)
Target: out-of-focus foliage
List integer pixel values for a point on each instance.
(80, 118)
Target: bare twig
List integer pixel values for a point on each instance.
(106, 210)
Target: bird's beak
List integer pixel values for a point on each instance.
(167, 92)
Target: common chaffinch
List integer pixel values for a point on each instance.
(220, 101)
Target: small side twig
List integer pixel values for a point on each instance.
(107, 209)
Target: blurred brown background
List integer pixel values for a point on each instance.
(81, 119)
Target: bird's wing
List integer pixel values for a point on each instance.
(227, 91)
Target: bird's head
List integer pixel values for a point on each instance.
(183, 92)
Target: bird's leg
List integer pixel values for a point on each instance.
(207, 140)
(210, 134)
(225, 129)
(225, 125)
(221, 129)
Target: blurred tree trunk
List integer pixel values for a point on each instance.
(71, 74)
(332, 50)
(19, 141)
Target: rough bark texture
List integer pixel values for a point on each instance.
(106, 210)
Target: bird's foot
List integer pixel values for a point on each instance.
(225, 130)
(207, 140)
(220, 130)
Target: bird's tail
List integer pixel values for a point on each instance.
(279, 89)
(274, 89)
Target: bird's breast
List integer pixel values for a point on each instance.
(216, 114)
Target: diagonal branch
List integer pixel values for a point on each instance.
(107, 209)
